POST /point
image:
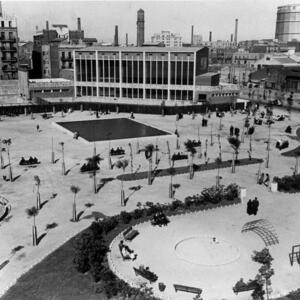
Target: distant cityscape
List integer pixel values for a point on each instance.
(58, 51)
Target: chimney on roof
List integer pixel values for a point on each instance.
(1, 9)
(236, 30)
(78, 24)
(210, 36)
(116, 39)
(47, 25)
(192, 35)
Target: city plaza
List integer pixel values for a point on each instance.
(180, 253)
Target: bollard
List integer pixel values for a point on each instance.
(81, 107)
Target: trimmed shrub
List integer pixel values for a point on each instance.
(109, 224)
(137, 213)
(125, 217)
(231, 192)
(288, 183)
(176, 204)
(213, 194)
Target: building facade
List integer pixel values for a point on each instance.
(245, 58)
(139, 72)
(169, 39)
(8, 47)
(288, 23)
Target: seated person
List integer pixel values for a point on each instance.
(126, 252)
(267, 180)
(35, 160)
(132, 116)
(22, 161)
(31, 160)
(261, 178)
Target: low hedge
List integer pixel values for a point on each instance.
(288, 183)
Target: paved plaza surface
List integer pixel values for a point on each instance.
(155, 246)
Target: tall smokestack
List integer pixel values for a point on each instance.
(210, 36)
(192, 36)
(126, 40)
(231, 38)
(78, 24)
(140, 25)
(47, 25)
(1, 9)
(236, 30)
(116, 39)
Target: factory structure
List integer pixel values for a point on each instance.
(288, 23)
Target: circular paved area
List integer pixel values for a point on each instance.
(206, 251)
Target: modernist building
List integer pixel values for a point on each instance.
(139, 72)
(288, 23)
(8, 47)
(169, 39)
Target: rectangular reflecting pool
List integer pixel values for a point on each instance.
(111, 129)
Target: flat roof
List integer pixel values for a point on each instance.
(143, 49)
(49, 80)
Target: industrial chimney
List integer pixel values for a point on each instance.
(116, 39)
(0, 9)
(78, 24)
(192, 36)
(231, 38)
(126, 40)
(210, 36)
(47, 25)
(236, 30)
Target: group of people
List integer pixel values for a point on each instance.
(126, 252)
(234, 131)
(30, 161)
(117, 151)
(252, 206)
(264, 179)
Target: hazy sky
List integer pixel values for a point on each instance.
(256, 17)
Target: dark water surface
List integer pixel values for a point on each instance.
(111, 129)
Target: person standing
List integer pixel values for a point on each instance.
(37, 127)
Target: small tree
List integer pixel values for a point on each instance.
(235, 145)
(122, 164)
(265, 272)
(7, 143)
(38, 196)
(93, 164)
(75, 190)
(219, 163)
(1, 155)
(33, 212)
(148, 154)
(189, 146)
(172, 173)
(63, 166)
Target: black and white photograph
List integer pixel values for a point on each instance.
(149, 150)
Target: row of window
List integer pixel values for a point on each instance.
(134, 93)
(182, 73)
(52, 91)
(224, 94)
(9, 24)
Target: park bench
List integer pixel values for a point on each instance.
(188, 289)
(129, 234)
(179, 156)
(147, 274)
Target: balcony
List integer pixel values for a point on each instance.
(7, 39)
(9, 59)
(6, 49)
(66, 58)
(9, 69)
